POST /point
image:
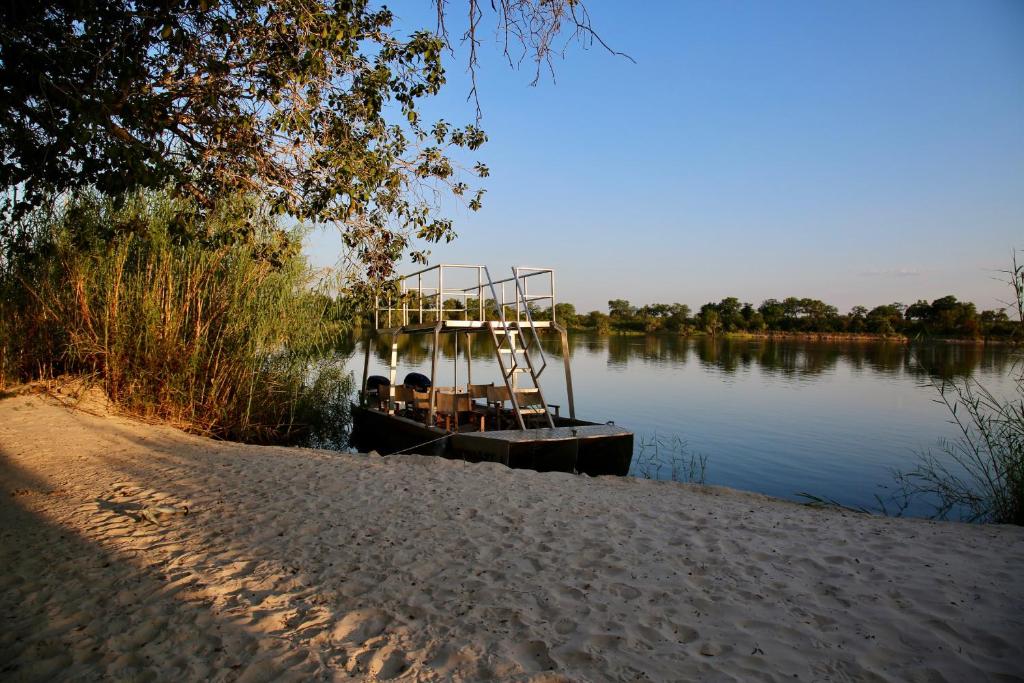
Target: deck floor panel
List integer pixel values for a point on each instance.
(549, 434)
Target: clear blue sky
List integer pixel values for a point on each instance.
(857, 152)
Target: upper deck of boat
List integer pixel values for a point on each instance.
(465, 298)
(463, 326)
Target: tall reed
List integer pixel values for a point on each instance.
(208, 321)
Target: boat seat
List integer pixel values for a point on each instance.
(496, 398)
(529, 401)
(530, 404)
(420, 400)
(449, 406)
(478, 390)
(402, 395)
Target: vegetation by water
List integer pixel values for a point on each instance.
(945, 316)
(982, 471)
(175, 314)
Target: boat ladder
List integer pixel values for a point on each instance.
(514, 340)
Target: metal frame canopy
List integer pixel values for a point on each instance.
(460, 298)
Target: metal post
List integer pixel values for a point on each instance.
(393, 370)
(568, 372)
(405, 305)
(552, 275)
(469, 359)
(526, 297)
(366, 368)
(419, 296)
(440, 293)
(519, 315)
(433, 373)
(455, 363)
(480, 291)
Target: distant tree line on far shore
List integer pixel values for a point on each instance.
(945, 316)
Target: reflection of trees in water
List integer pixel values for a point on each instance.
(415, 349)
(799, 357)
(949, 361)
(727, 355)
(661, 349)
(344, 345)
(787, 357)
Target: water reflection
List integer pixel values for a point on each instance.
(786, 357)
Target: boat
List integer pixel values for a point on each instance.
(507, 420)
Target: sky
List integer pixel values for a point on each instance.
(855, 152)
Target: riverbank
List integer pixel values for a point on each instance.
(808, 336)
(304, 564)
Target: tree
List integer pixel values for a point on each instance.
(620, 308)
(730, 312)
(597, 320)
(773, 312)
(679, 316)
(885, 319)
(920, 310)
(565, 314)
(311, 106)
(709, 319)
(857, 319)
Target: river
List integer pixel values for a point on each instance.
(780, 417)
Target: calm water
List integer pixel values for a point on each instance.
(778, 417)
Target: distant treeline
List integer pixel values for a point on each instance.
(945, 316)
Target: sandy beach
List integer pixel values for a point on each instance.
(296, 564)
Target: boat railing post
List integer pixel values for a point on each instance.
(366, 369)
(551, 274)
(419, 297)
(393, 371)
(440, 293)
(568, 370)
(519, 315)
(405, 304)
(480, 292)
(433, 374)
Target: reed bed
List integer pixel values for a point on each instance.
(213, 322)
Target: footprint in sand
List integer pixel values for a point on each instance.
(358, 626)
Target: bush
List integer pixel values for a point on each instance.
(209, 321)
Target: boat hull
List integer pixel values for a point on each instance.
(572, 446)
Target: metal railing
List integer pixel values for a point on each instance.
(422, 296)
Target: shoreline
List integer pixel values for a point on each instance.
(317, 565)
(806, 336)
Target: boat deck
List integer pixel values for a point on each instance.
(548, 434)
(593, 449)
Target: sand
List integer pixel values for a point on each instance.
(296, 564)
